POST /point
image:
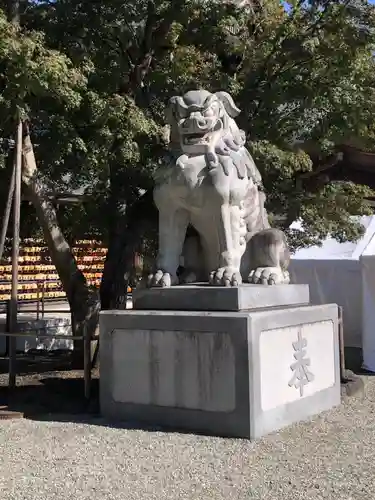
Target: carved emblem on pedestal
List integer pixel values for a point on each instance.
(301, 374)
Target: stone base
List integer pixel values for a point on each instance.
(203, 297)
(45, 326)
(240, 374)
(352, 385)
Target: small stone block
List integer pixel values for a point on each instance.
(212, 298)
(238, 374)
(352, 384)
(6, 414)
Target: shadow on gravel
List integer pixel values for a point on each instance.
(48, 390)
(38, 361)
(94, 418)
(354, 360)
(55, 399)
(51, 395)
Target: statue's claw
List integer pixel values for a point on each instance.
(269, 276)
(161, 279)
(225, 276)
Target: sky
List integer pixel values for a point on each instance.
(369, 1)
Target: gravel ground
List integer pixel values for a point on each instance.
(332, 456)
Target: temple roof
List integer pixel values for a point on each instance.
(348, 164)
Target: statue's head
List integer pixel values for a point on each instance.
(199, 120)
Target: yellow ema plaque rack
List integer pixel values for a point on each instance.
(38, 276)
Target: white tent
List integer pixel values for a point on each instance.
(337, 273)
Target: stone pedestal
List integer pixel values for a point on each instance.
(220, 298)
(240, 373)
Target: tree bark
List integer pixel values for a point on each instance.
(113, 272)
(84, 303)
(123, 245)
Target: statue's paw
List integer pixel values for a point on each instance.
(225, 276)
(269, 276)
(161, 279)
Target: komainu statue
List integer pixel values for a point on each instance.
(213, 185)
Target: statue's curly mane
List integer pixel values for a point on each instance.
(229, 153)
(226, 150)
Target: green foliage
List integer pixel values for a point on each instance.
(93, 78)
(30, 69)
(279, 168)
(330, 211)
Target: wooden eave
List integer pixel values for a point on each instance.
(350, 164)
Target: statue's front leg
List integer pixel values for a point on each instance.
(173, 222)
(223, 245)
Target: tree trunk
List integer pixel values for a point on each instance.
(113, 268)
(122, 248)
(84, 303)
(114, 280)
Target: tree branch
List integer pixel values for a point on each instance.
(156, 30)
(283, 68)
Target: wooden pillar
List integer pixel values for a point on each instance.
(15, 256)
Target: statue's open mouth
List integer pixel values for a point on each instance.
(196, 138)
(201, 137)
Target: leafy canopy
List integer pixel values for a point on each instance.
(94, 77)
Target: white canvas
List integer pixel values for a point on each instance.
(343, 273)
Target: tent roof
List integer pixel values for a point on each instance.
(332, 249)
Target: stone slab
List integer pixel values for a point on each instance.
(351, 384)
(212, 298)
(46, 326)
(238, 374)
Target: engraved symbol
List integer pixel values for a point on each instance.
(301, 376)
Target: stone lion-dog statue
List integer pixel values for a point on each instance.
(212, 185)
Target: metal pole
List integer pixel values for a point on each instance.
(8, 208)
(87, 361)
(15, 256)
(43, 293)
(37, 299)
(7, 325)
(341, 344)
